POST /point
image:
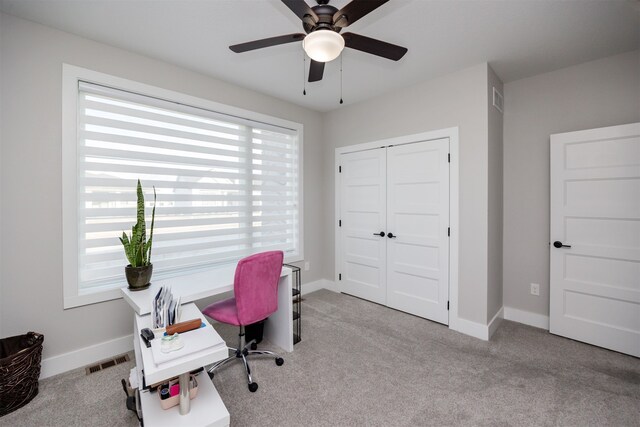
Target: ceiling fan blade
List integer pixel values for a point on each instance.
(301, 9)
(316, 69)
(271, 41)
(354, 11)
(373, 46)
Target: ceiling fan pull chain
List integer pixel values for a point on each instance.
(304, 73)
(341, 55)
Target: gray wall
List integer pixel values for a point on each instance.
(31, 221)
(494, 237)
(458, 99)
(600, 93)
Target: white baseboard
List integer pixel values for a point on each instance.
(478, 330)
(474, 329)
(484, 332)
(527, 317)
(84, 356)
(316, 285)
(495, 322)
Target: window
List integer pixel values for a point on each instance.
(227, 185)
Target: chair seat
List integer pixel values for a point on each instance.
(224, 311)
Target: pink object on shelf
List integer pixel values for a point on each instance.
(174, 390)
(175, 399)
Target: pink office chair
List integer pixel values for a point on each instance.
(255, 297)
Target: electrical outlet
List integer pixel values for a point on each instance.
(307, 266)
(535, 289)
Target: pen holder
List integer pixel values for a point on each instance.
(174, 400)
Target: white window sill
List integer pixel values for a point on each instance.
(200, 276)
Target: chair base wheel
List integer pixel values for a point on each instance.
(253, 387)
(254, 346)
(279, 361)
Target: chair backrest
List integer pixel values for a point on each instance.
(256, 286)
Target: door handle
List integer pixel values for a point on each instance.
(381, 234)
(391, 236)
(558, 244)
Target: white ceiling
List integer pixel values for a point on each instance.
(519, 38)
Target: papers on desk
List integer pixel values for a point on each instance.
(133, 377)
(194, 341)
(165, 310)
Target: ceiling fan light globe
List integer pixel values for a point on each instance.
(323, 45)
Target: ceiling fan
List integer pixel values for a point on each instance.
(322, 41)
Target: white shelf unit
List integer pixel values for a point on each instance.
(207, 409)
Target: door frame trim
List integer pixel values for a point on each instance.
(454, 173)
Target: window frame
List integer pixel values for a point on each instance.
(73, 295)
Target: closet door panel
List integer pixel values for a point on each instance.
(363, 214)
(418, 218)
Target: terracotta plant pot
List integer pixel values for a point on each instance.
(138, 277)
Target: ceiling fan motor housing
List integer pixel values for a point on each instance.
(325, 14)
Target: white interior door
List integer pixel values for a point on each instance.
(417, 226)
(363, 214)
(595, 214)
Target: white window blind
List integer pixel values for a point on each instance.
(226, 186)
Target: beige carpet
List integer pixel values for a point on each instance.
(363, 364)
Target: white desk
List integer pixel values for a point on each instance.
(208, 408)
(278, 328)
(196, 286)
(154, 373)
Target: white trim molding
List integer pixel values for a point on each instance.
(478, 330)
(495, 322)
(452, 134)
(85, 356)
(474, 329)
(527, 317)
(73, 294)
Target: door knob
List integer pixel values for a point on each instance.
(558, 244)
(391, 236)
(381, 234)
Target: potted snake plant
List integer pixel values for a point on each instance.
(137, 248)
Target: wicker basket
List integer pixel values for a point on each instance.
(19, 370)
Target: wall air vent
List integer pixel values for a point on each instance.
(498, 100)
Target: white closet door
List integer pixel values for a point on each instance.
(363, 214)
(595, 237)
(418, 220)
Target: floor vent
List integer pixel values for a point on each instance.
(107, 364)
(122, 359)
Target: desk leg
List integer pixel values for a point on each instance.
(278, 328)
(185, 402)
